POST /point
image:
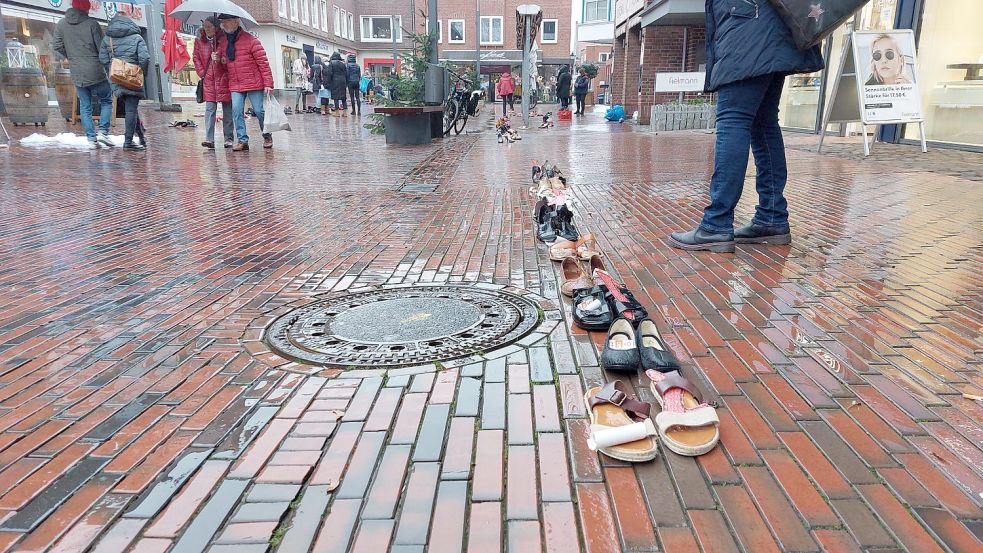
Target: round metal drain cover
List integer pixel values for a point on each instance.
(402, 326)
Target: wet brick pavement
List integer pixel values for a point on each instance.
(139, 411)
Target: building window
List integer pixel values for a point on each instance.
(491, 30)
(314, 14)
(456, 30)
(440, 29)
(351, 26)
(596, 10)
(343, 22)
(337, 22)
(305, 18)
(548, 32)
(603, 57)
(324, 15)
(282, 8)
(379, 28)
(294, 10)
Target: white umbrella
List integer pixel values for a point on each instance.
(194, 11)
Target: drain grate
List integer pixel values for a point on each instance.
(402, 326)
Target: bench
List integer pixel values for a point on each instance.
(412, 124)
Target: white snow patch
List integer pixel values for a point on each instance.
(65, 140)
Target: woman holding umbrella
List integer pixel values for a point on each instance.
(250, 77)
(209, 45)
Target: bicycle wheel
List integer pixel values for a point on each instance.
(461, 121)
(451, 109)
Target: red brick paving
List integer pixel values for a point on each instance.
(138, 411)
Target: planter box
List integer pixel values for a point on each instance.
(675, 117)
(413, 125)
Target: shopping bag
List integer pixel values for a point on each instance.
(273, 117)
(813, 20)
(615, 113)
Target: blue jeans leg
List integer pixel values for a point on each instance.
(85, 112)
(239, 116)
(105, 95)
(737, 110)
(256, 98)
(768, 148)
(210, 109)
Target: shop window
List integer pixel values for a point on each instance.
(379, 28)
(549, 31)
(950, 72)
(456, 31)
(491, 30)
(595, 10)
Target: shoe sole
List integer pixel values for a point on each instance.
(715, 247)
(774, 240)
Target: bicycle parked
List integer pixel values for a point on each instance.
(460, 105)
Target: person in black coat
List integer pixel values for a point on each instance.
(580, 90)
(337, 81)
(321, 91)
(749, 53)
(563, 87)
(123, 41)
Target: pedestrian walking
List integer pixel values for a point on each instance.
(250, 78)
(78, 38)
(506, 90)
(580, 90)
(302, 74)
(354, 73)
(367, 87)
(209, 45)
(123, 41)
(563, 87)
(337, 81)
(749, 53)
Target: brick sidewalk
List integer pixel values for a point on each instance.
(138, 413)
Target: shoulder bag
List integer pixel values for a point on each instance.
(125, 74)
(200, 89)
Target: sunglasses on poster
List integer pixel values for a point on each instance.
(889, 55)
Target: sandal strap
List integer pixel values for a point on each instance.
(676, 380)
(691, 418)
(614, 393)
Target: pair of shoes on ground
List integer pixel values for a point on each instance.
(211, 145)
(554, 222)
(622, 428)
(577, 273)
(243, 146)
(597, 307)
(701, 240)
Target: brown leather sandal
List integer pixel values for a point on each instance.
(620, 425)
(574, 277)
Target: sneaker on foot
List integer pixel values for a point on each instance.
(104, 139)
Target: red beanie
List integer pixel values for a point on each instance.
(82, 5)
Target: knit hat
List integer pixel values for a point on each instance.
(82, 5)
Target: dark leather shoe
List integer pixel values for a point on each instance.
(209, 145)
(699, 239)
(267, 141)
(240, 147)
(133, 147)
(620, 347)
(758, 234)
(652, 350)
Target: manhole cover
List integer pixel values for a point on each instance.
(402, 326)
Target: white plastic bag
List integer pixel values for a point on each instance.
(273, 117)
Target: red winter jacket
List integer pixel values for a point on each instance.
(250, 70)
(216, 77)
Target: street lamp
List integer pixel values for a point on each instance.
(528, 11)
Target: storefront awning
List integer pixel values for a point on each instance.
(674, 12)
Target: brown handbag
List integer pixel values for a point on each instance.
(125, 74)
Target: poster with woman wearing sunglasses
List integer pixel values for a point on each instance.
(886, 63)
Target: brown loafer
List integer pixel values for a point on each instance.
(268, 141)
(240, 147)
(209, 145)
(574, 277)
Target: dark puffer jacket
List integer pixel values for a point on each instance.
(318, 72)
(747, 38)
(78, 38)
(123, 41)
(337, 76)
(563, 83)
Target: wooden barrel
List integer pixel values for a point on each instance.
(25, 95)
(65, 92)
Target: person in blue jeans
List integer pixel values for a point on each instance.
(749, 53)
(77, 38)
(250, 78)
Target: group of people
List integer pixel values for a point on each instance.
(330, 83)
(505, 89)
(90, 54)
